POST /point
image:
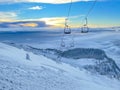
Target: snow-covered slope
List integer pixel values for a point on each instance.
(41, 73)
(92, 59)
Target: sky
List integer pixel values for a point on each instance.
(52, 13)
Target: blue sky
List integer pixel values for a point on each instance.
(30, 13)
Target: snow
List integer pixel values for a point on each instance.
(42, 73)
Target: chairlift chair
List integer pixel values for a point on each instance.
(67, 30)
(84, 29)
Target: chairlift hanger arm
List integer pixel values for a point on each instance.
(68, 14)
(89, 11)
(67, 29)
(66, 21)
(86, 21)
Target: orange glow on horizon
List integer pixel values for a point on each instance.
(29, 25)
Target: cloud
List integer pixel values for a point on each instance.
(77, 16)
(18, 24)
(57, 21)
(36, 8)
(31, 24)
(7, 16)
(54, 21)
(42, 1)
(42, 22)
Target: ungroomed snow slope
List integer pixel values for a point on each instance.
(41, 73)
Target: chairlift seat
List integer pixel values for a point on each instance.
(67, 30)
(84, 29)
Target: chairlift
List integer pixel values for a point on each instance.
(85, 28)
(67, 29)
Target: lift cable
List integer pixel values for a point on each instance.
(69, 10)
(92, 7)
(85, 28)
